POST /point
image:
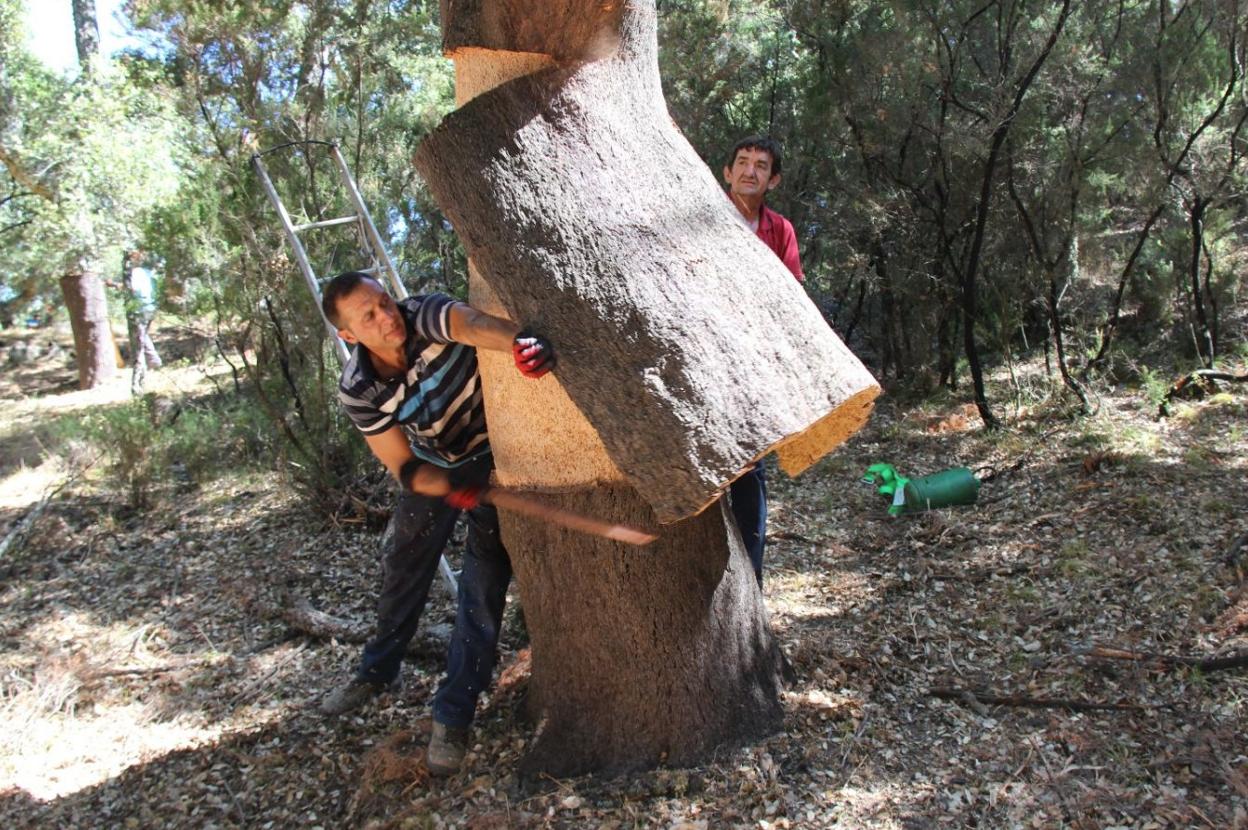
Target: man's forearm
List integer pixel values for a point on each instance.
(485, 331)
(392, 450)
(418, 476)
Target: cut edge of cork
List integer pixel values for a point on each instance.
(799, 451)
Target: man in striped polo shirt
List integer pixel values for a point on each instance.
(752, 171)
(412, 388)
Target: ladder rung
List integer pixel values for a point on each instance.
(328, 223)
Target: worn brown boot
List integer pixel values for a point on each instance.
(354, 694)
(447, 747)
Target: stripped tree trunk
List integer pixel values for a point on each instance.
(94, 347)
(686, 352)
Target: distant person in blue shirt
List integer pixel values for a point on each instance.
(140, 309)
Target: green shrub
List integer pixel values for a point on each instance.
(153, 444)
(1155, 387)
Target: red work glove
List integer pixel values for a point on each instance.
(468, 483)
(533, 354)
(464, 498)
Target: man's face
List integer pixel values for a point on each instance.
(750, 173)
(369, 316)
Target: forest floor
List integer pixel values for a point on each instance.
(978, 666)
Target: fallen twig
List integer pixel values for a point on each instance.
(965, 696)
(1070, 812)
(301, 616)
(145, 670)
(992, 473)
(1200, 376)
(789, 536)
(980, 575)
(1169, 661)
(23, 524)
(256, 684)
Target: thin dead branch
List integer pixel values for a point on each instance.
(22, 525)
(991, 472)
(1169, 661)
(965, 696)
(300, 615)
(148, 671)
(982, 575)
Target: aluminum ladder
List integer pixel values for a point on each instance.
(380, 266)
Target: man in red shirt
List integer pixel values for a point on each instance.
(752, 171)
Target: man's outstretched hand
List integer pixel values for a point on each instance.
(533, 354)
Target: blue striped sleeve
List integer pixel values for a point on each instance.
(432, 317)
(364, 413)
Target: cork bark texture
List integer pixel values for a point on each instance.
(541, 440)
(93, 335)
(642, 656)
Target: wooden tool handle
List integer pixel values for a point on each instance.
(530, 506)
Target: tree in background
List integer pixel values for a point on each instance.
(890, 113)
(368, 75)
(1191, 145)
(100, 153)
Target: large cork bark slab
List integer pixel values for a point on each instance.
(684, 341)
(541, 440)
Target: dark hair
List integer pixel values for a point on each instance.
(339, 287)
(765, 143)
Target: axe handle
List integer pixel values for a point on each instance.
(538, 509)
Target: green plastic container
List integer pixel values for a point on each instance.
(943, 489)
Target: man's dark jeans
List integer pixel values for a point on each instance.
(474, 643)
(422, 527)
(748, 495)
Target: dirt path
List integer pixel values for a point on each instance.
(144, 682)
